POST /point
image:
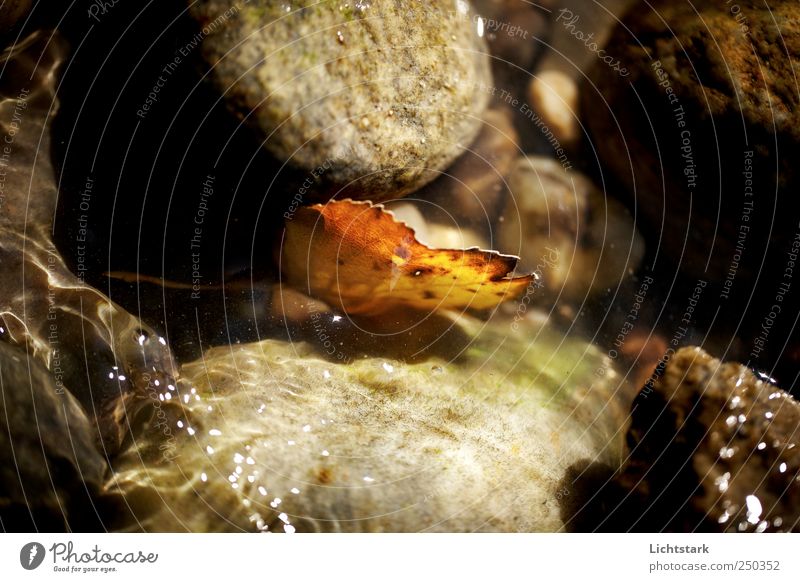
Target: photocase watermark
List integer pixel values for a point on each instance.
(83, 227)
(736, 11)
(68, 559)
(169, 446)
(52, 320)
(744, 229)
(484, 26)
(687, 153)
(7, 145)
(489, 26)
(680, 333)
(568, 19)
(525, 109)
(32, 555)
(206, 193)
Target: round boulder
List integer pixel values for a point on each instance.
(377, 98)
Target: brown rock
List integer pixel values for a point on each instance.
(565, 229)
(12, 13)
(713, 448)
(49, 462)
(709, 83)
(515, 32)
(554, 95)
(470, 192)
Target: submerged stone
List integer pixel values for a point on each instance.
(106, 357)
(714, 448)
(284, 437)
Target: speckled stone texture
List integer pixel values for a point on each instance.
(729, 66)
(712, 448)
(381, 96)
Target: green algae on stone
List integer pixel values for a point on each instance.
(275, 436)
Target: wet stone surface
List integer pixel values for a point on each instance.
(106, 357)
(380, 96)
(713, 448)
(291, 437)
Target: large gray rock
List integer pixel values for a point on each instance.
(704, 130)
(317, 436)
(375, 96)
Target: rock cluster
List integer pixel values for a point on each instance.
(375, 97)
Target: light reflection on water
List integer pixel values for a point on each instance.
(367, 449)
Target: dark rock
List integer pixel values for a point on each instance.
(515, 32)
(710, 95)
(588, 496)
(577, 239)
(471, 191)
(13, 11)
(50, 468)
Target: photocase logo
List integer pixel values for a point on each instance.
(31, 555)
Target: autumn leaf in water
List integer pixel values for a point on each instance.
(357, 257)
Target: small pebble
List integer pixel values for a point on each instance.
(554, 96)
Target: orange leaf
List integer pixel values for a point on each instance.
(357, 257)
